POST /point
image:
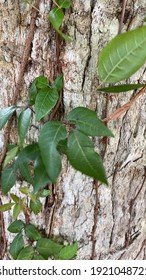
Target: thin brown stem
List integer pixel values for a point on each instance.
(122, 16)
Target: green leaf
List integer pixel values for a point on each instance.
(16, 211)
(50, 135)
(15, 198)
(35, 206)
(58, 83)
(83, 158)
(64, 4)
(8, 178)
(16, 245)
(23, 124)
(122, 88)
(32, 232)
(123, 56)
(56, 17)
(32, 94)
(16, 226)
(62, 146)
(41, 178)
(38, 257)
(44, 193)
(5, 114)
(24, 190)
(6, 207)
(68, 252)
(10, 155)
(41, 82)
(26, 253)
(29, 153)
(45, 101)
(47, 247)
(24, 169)
(87, 122)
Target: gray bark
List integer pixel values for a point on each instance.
(121, 226)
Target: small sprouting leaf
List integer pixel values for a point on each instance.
(87, 122)
(5, 114)
(16, 226)
(68, 252)
(23, 124)
(32, 232)
(56, 17)
(16, 211)
(58, 83)
(50, 135)
(38, 257)
(47, 247)
(26, 253)
(11, 154)
(15, 198)
(41, 178)
(44, 193)
(6, 207)
(16, 245)
(24, 190)
(45, 101)
(35, 206)
(24, 169)
(65, 4)
(125, 49)
(122, 88)
(8, 178)
(83, 158)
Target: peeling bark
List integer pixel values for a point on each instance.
(121, 228)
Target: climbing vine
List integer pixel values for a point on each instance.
(39, 163)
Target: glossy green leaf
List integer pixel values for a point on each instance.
(8, 178)
(16, 211)
(56, 17)
(83, 158)
(26, 253)
(24, 169)
(35, 206)
(23, 124)
(41, 82)
(45, 101)
(5, 115)
(29, 153)
(16, 245)
(6, 207)
(47, 247)
(62, 146)
(68, 252)
(87, 122)
(123, 56)
(16, 226)
(58, 83)
(15, 198)
(41, 178)
(11, 154)
(50, 135)
(32, 93)
(32, 232)
(122, 88)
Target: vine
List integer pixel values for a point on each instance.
(39, 163)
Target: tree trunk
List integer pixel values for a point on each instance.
(107, 222)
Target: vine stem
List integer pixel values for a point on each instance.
(25, 58)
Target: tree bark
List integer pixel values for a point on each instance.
(107, 222)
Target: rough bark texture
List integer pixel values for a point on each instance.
(121, 228)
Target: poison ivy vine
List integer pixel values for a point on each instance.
(39, 163)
